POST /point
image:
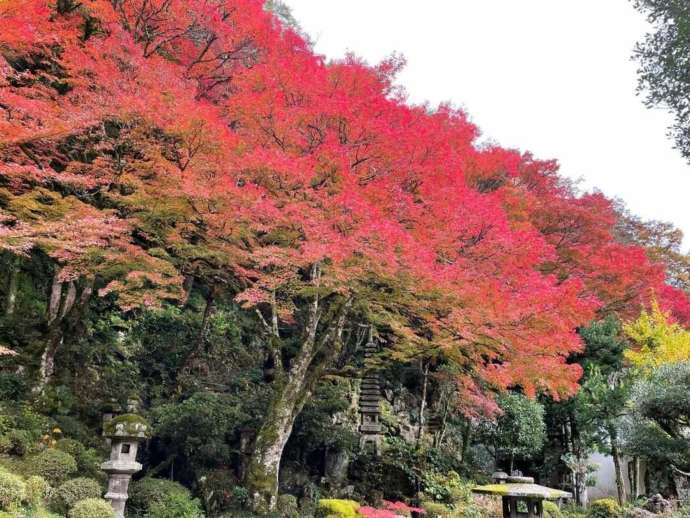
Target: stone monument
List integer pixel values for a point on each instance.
(125, 433)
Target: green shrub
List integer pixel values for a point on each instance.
(88, 461)
(12, 490)
(72, 491)
(551, 510)
(332, 508)
(16, 442)
(13, 387)
(436, 510)
(176, 505)
(147, 491)
(53, 465)
(604, 508)
(91, 508)
(287, 506)
(36, 491)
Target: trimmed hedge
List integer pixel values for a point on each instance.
(54, 465)
(91, 508)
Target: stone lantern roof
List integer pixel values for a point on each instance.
(127, 427)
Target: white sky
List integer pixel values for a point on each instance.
(550, 76)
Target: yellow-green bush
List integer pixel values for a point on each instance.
(72, 491)
(604, 508)
(436, 510)
(54, 465)
(91, 508)
(332, 508)
(551, 510)
(12, 490)
(36, 491)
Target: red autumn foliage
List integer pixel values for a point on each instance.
(204, 138)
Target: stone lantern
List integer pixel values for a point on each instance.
(522, 498)
(125, 433)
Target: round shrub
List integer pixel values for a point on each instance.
(551, 510)
(332, 508)
(176, 505)
(604, 508)
(91, 508)
(288, 507)
(436, 510)
(53, 465)
(12, 490)
(72, 491)
(16, 442)
(88, 461)
(147, 491)
(36, 491)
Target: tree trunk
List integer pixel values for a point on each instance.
(615, 453)
(68, 317)
(11, 302)
(466, 434)
(294, 388)
(262, 474)
(422, 403)
(197, 348)
(55, 298)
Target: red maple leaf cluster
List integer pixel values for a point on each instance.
(144, 140)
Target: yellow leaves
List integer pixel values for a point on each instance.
(657, 339)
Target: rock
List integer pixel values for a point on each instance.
(638, 512)
(657, 504)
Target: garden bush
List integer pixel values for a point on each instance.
(88, 461)
(604, 508)
(18, 442)
(36, 491)
(72, 491)
(147, 491)
(12, 490)
(332, 508)
(176, 505)
(54, 465)
(91, 508)
(436, 510)
(287, 506)
(551, 510)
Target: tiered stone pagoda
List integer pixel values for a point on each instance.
(369, 400)
(125, 433)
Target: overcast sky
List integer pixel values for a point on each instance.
(550, 76)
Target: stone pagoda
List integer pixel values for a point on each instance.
(125, 433)
(369, 399)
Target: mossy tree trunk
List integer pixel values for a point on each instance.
(293, 387)
(64, 314)
(11, 301)
(615, 453)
